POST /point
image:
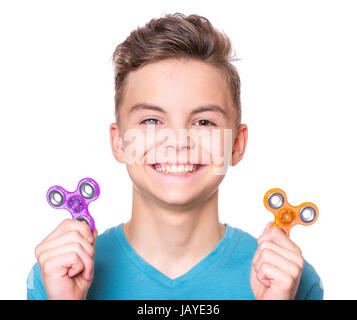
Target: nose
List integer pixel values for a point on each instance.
(172, 145)
(178, 140)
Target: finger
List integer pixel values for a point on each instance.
(70, 248)
(273, 258)
(67, 263)
(279, 237)
(65, 239)
(95, 235)
(287, 253)
(276, 276)
(69, 225)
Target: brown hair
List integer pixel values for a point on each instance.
(176, 36)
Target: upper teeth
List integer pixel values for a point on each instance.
(175, 169)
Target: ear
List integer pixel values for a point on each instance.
(116, 141)
(239, 144)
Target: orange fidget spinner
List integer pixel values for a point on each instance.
(286, 215)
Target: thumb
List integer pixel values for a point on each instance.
(269, 225)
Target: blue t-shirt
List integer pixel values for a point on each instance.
(120, 273)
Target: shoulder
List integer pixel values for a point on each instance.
(246, 244)
(35, 288)
(241, 247)
(109, 240)
(310, 287)
(105, 238)
(107, 246)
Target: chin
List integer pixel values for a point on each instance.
(177, 197)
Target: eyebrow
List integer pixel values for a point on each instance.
(210, 107)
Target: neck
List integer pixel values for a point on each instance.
(173, 239)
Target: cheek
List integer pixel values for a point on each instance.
(219, 146)
(222, 152)
(134, 146)
(137, 175)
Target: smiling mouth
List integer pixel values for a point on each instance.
(176, 169)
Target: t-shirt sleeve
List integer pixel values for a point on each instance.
(316, 292)
(310, 286)
(35, 288)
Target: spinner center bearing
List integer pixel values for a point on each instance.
(76, 204)
(287, 216)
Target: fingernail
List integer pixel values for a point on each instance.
(90, 239)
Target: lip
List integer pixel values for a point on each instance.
(185, 175)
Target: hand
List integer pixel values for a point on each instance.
(66, 260)
(276, 266)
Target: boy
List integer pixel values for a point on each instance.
(171, 75)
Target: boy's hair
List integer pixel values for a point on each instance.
(176, 36)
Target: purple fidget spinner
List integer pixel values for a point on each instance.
(76, 202)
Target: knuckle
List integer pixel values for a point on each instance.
(259, 273)
(301, 263)
(298, 250)
(296, 272)
(40, 259)
(254, 261)
(91, 263)
(67, 222)
(264, 244)
(91, 251)
(46, 267)
(75, 235)
(289, 282)
(74, 256)
(264, 267)
(77, 246)
(83, 228)
(266, 253)
(37, 250)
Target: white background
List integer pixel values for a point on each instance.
(298, 70)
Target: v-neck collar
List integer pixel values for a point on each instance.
(202, 266)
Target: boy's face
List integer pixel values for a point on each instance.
(163, 101)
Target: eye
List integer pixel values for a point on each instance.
(205, 122)
(149, 121)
